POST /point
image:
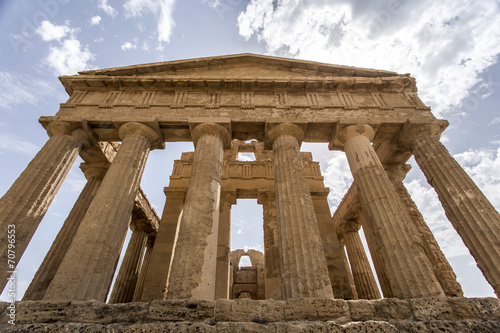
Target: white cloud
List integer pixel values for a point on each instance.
(128, 46)
(212, 3)
(338, 178)
(495, 121)
(69, 57)
(95, 20)
(162, 9)
(11, 143)
(49, 31)
(444, 45)
(482, 166)
(106, 8)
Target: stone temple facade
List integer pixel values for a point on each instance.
(178, 273)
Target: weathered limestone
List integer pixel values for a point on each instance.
(304, 271)
(335, 260)
(399, 247)
(144, 268)
(224, 246)
(47, 270)
(28, 199)
(87, 269)
(156, 275)
(126, 280)
(442, 269)
(192, 274)
(469, 211)
(271, 245)
(366, 286)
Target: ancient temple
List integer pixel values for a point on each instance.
(178, 272)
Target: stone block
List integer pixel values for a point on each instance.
(489, 308)
(463, 308)
(42, 311)
(302, 326)
(160, 327)
(181, 310)
(384, 309)
(97, 312)
(257, 311)
(369, 326)
(316, 309)
(241, 327)
(432, 308)
(223, 310)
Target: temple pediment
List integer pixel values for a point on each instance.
(242, 66)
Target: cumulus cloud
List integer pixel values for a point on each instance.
(128, 46)
(444, 45)
(66, 55)
(106, 8)
(48, 31)
(338, 178)
(69, 57)
(482, 166)
(161, 9)
(95, 20)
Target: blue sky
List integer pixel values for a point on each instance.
(451, 47)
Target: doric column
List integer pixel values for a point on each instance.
(155, 280)
(350, 279)
(442, 269)
(469, 211)
(399, 246)
(144, 268)
(366, 286)
(271, 246)
(379, 269)
(126, 280)
(192, 274)
(94, 172)
(332, 248)
(224, 245)
(28, 199)
(303, 265)
(87, 269)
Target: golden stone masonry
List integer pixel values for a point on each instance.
(178, 272)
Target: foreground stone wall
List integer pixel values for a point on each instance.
(297, 315)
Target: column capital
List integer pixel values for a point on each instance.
(228, 197)
(65, 128)
(211, 129)
(348, 225)
(285, 129)
(397, 171)
(413, 132)
(265, 195)
(141, 225)
(134, 128)
(94, 169)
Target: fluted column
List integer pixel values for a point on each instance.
(224, 245)
(94, 172)
(87, 269)
(399, 246)
(332, 248)
(192, 274)
(366, 286)
(156, 275)
(126, 280)
(303, 265)
(469, 211)
(28, 199)
(350, 278)
(442, 268)
(271, 247)
(144, 268)
(383, 280)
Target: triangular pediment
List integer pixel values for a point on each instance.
(242, 66)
